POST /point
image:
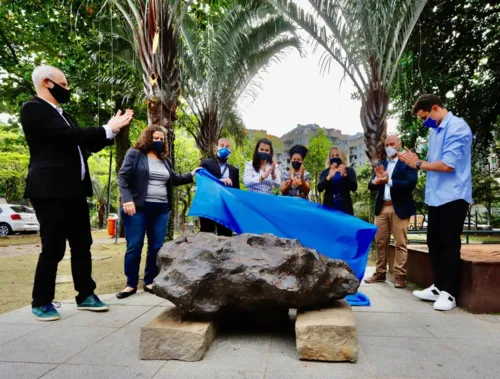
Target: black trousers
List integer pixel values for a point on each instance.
(444, 228)
(61, 220)
(209, 226)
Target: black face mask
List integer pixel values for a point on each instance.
(264, 156)
(158, 147)
(296, 165)
(58, 92)
(336, 160)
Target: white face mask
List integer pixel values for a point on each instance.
(390, 151)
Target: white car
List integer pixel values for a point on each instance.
(16, 219)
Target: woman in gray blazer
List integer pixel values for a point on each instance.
(145, 181)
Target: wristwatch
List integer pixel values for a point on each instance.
(418, 165)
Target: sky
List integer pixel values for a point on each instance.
(295, 92)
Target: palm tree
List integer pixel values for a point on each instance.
(367, 38)
(152, 28)
(101, 196)
(220, 60)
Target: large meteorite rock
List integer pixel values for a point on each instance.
(204, 273)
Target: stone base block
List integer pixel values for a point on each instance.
(170, 336)
(327, 334)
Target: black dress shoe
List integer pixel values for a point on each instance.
(124, 295)
(149, 290)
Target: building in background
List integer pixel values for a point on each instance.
(353, 145)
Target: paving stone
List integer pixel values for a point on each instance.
(168, 372)
(52, 344)
(140, 298)
(481, 353)
(283, 361)
(233, 351)
(327, 334)
(302, 375)
(10, 370)
(23, 315)
(167, 303)
(146, 318)
(171, 336)
(415, 357)
(389, 325)
(116, 317)
(118, 349)
(441, 324)
(67, 371)
(9, 332)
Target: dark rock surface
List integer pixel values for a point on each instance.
(203, 273)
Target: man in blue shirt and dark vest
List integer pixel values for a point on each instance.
(448, 193)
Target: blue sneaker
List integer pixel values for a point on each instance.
(46, 313)
(92, 303)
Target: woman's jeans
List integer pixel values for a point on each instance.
(150, 219)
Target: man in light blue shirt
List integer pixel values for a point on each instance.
(448, 194)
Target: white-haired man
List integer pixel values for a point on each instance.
(58, 183)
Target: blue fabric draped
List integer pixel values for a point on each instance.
(331, 233)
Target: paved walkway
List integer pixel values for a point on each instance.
(399, 336)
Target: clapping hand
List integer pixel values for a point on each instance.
(409, 157)
(120, 120)
(342, 170)
(333, 171)
(381, 176)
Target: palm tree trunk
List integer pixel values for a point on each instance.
(373, 117)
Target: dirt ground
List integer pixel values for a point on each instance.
(18, 262)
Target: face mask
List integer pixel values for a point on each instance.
(223, 153)
(430, 123)
(264, 156)
(390, 151)
(296, 165)
(158, 147)
(61, 94)
(336, 160)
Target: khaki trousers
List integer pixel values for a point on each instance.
(387, 222)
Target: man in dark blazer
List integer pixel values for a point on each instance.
(394, 182)
(228, 174)
(58, 183)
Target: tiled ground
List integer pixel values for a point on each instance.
(399, 337)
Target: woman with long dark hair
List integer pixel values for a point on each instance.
(261, 175)
(145, 180)
(338, 180)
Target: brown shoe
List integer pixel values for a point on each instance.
(399, 282)
(377, 277)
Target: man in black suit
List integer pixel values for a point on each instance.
(394, 182)
(228, 174)
(58, 183)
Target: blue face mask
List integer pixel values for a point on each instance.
(224, 152)
(430, 123)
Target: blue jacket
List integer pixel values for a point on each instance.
(133, 178)
(404, 181)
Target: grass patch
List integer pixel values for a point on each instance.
(17, 274)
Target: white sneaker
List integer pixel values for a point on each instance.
(446, 302)
(429, 294)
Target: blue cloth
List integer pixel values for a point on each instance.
(150, 219)
(331, 233)
(451, 143)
